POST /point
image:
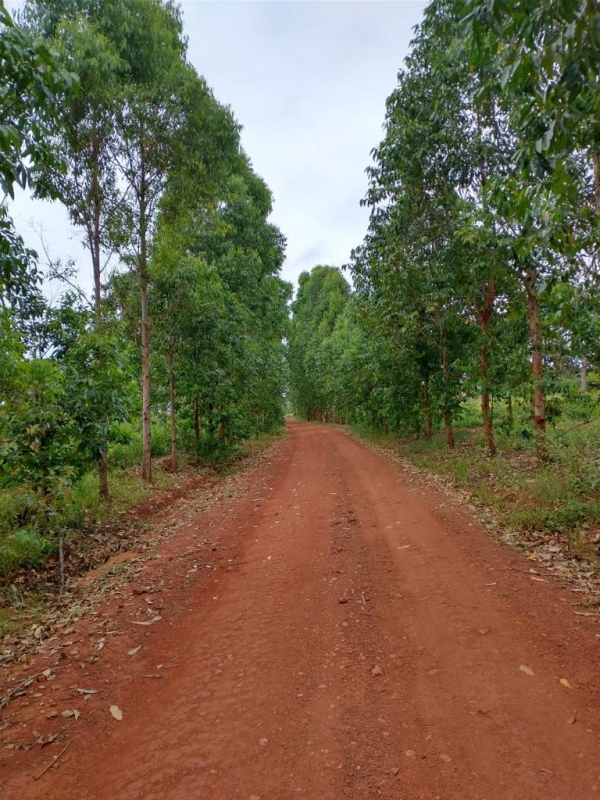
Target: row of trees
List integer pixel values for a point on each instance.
(103, 112)
(478, 274)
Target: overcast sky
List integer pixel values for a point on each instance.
(307, 79)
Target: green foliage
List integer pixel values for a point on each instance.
(476, 284)
(102, 110)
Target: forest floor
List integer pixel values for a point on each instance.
(331, 626)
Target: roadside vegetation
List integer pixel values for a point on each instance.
(471, 332)
(176, 351)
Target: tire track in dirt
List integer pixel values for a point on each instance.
(269, 689)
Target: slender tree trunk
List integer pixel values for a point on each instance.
(196, 427)
(484, 314)
(448, 428)
(145, 320)
(488, 428)
(174, 460)
(583, 381)
(61, 564)
(447, 410)
(103, 475)
(537, 363)
(95, 248)
(146, 430)
(511, 416)
(596, 165)
(427, 409)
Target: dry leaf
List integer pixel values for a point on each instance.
(526, 669)
(88, 691)
(133, 650)
(44, 740)
(150, 622)
(70, 712)
(572, 719)
(116, 712)
(564, 682)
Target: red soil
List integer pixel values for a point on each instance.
(356, 636)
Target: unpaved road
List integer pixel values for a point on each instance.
(258, 682)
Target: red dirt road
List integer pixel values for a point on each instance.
(269, 688)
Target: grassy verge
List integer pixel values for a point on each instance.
(557, 500)
(93, 529)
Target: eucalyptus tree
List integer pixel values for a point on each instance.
(89, 39)
(430, 171)
(321, 299)
(545, 80)
(33, 85)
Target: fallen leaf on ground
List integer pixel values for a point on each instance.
(572, 719)
(526, 669)
(70, 712)
(564, 682)
(116, 712)
(133, 650)
(44, 740)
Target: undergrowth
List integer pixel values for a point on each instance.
(26, 542)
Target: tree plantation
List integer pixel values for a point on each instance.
(467, 319)
(476, 291)
(180, 345)
(331, 541)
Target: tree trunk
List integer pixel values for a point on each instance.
(448, 428)
(196, 427)
(484, 314)
(488, 428)
(427, 409)
(596, 165)
(510, 412)
(144, 282)
(174, 461)
(447, 409)
(61, 564)
(583, 381)
(103, 475)
(96, 247)
(146, 431)
(537, 363)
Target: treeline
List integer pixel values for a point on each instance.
(478, 276)
(102, 112)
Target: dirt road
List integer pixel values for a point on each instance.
(356, 637)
